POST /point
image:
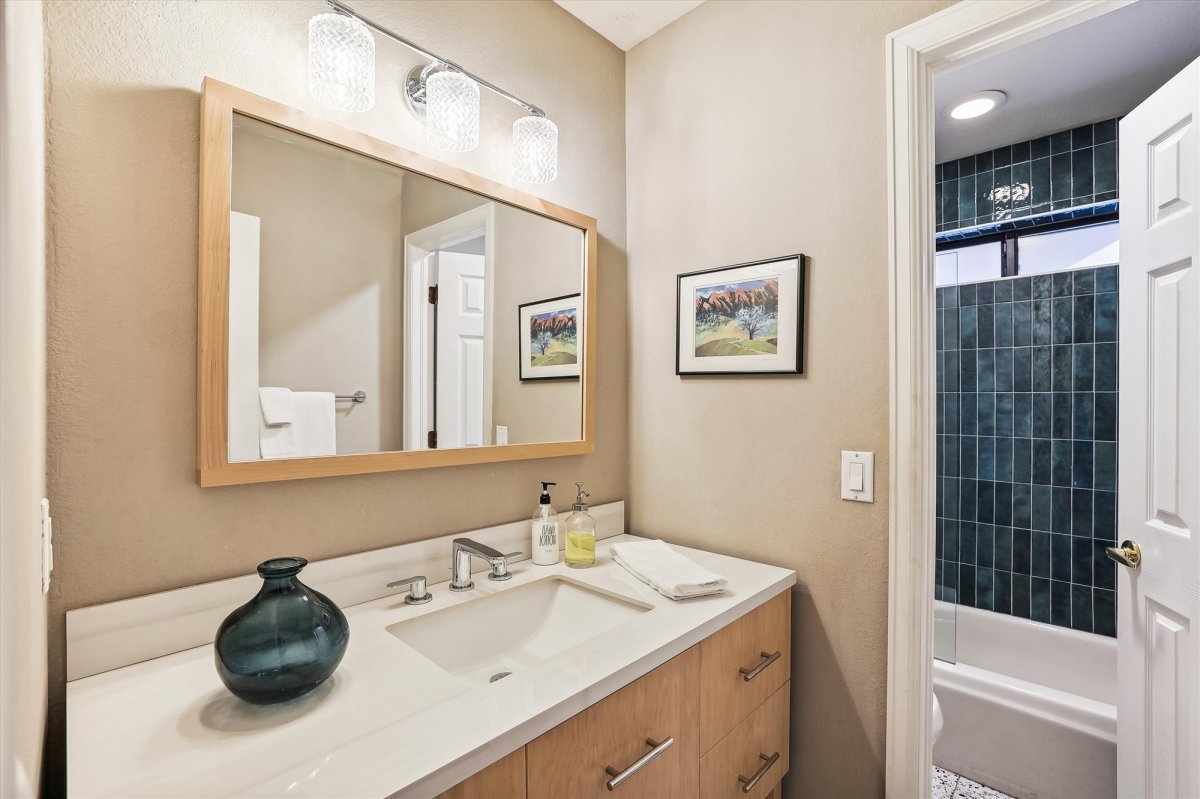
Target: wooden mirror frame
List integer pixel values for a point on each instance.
(218, 103)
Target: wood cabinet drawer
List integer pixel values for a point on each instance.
(758, 744)
(504, 779)
(571, 759)
(735, 675)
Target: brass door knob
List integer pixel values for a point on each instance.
(1128, 554)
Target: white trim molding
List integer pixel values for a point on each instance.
(961, 34)
(420, 274)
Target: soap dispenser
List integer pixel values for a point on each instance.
(545, 530)
(580, 530)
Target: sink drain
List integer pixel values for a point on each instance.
(500, 675)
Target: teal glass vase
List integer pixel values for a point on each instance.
(284, 642)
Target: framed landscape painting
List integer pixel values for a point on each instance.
(548, 338)
(741, 319)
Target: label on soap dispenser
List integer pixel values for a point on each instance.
(545, 541)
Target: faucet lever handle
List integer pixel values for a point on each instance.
(418, 593)
(500, 566)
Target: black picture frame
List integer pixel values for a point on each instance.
(794, 369)
(523, 335)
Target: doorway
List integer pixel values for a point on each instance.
(449, 288)
(960, 40)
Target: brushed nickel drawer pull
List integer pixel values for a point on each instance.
(619, 777)
(748, 783)
(768, 659)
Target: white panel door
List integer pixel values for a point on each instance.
(461, 350)
(1159, 601)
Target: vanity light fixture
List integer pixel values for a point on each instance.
(446, 97)
(341, 62)
(977, 104)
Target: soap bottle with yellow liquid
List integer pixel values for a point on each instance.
(580, 530)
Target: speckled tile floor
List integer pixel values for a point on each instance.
(948, 785)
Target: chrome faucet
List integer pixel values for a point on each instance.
(464, 550)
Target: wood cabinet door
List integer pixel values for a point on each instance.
(504, 779)
(571, 760)
(750, 761)
(759, 643)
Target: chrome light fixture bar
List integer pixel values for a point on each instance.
(415, 90)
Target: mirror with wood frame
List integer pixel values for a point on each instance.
(364, 308)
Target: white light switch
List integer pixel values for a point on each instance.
(501, 435)
(858, 476)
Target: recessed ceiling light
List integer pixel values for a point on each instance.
(977, 104)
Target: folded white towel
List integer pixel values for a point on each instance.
(312, 433)
(276, 442)
(277, 405)
(666, 571)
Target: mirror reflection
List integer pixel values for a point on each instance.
(374, 309)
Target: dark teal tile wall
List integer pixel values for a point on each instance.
(1027, 447)
(1063, 170)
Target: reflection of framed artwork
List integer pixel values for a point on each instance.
(743, 319)
(548, 338)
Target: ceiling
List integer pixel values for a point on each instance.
(1096, 70)
(627, 22)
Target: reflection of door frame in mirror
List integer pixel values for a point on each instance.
(419, 316)
(219, 102)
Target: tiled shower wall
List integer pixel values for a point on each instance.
(1027, 446)
(1065, 169)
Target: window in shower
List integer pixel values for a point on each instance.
(969, 264)
(1074, 248)
(1076, 244)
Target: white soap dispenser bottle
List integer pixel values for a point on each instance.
(545, 530)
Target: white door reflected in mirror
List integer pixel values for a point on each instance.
(462, 400)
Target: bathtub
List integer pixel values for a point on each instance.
(1028, 707)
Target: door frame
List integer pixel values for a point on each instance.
(419, 319)
(959, 35)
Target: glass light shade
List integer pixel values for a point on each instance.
(341, 62)
(535, 150)
(452, 111)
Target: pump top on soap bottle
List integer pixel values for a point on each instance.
(544, 530)
(580, 530)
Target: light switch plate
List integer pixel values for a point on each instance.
(501, 435)
(858, 476)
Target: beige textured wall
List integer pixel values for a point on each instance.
(123, 159)
(756, 129)
(549, 253)
(427, 201)
(331, 275)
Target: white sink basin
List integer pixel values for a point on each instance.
(516, 629)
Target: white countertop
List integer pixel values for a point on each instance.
(389, 722)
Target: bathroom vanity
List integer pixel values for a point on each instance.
(558, 682)
(543, 682)
(728, 726)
